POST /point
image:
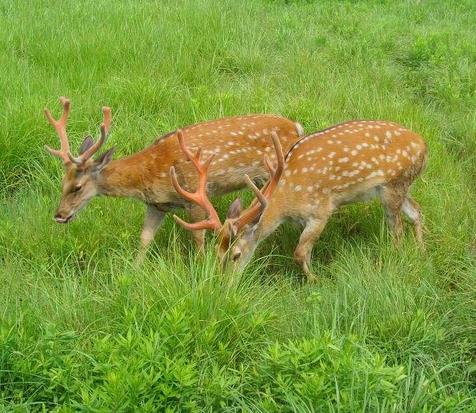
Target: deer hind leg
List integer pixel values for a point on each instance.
(412, 211)
(310, 234)
(393, 197)
(198, 214)
(152, 221)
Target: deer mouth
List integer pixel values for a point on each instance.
(64, 220)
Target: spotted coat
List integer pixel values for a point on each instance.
(352, 161)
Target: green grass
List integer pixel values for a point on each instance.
(384, 330)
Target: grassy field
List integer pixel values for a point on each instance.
(385, 329)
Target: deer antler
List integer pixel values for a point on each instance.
(263, 195)
(200, 196)
(60, 127)
(105, 126)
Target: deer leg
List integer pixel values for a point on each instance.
(392, 198)
(412, 211)
(303, 251)
(152, 221)
(198, 214)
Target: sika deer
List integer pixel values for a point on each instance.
(238, 143)
(350, 162)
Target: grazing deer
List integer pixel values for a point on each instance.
(352, 161)
(238, 143)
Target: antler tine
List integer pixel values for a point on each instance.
(269, 165)
(278, 171)
(106, 110)
(200, 196)
(259, 195)
(262, 196)
(194, 157)
(250, 214)
(188, 154)
(107, 118)
(182, 192)
(208, 224)
(60, 127)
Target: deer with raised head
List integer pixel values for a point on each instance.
(352, 161)
(237, 142)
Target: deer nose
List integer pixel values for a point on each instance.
(60, 218)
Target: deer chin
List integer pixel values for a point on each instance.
(72, 214)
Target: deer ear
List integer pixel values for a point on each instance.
(233, 230)
(87, 143)
(235, 209)
(104, 159)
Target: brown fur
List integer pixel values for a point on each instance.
(239, 144)
(348, 162)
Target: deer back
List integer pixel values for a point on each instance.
(238, 145)
(342, 162)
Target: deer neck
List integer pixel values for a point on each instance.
(133, 177)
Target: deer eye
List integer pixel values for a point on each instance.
(236, 256)
(77, 188)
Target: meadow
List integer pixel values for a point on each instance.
(384, 330)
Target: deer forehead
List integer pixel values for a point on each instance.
(75, 173)
(71, 173)
(241, 242)
(73, 177)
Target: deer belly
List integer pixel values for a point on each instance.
(361, 196)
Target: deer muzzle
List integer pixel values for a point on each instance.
(63, 218)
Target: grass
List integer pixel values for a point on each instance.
(385, 329)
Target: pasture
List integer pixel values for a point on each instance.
(385, 329)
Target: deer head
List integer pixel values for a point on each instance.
(81, 173)
(237, 236)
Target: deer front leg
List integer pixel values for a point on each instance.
(152, 221)
(198, 214)
(302, 254)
